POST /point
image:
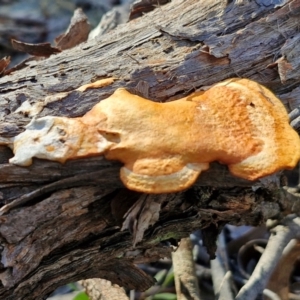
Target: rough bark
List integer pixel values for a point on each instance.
(101, 289)
(65, 222)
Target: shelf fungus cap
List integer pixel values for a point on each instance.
(280, 144)
(165, 146)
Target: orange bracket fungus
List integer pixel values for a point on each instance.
(165, 146)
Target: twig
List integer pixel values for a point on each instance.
(221, 275)
(279, 281)
(184, 271)
(280, 237)
(271, 295)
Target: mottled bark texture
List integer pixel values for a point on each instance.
(186, 282)
(66, 223)
(101, 289)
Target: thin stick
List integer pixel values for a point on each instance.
(221, 275)
(280, 237)
(184, 271)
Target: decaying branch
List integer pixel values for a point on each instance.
(62, 222)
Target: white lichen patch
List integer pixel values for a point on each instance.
(57, 139)
(29, 109)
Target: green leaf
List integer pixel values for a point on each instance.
(169, 279)
(81, 296)
(165, 296)
(160, 275)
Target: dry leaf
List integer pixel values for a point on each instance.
(4, 62)
(42, 49)
(77, 32)
(140, 7)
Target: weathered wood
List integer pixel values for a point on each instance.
(65, 222)
(206, 44)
